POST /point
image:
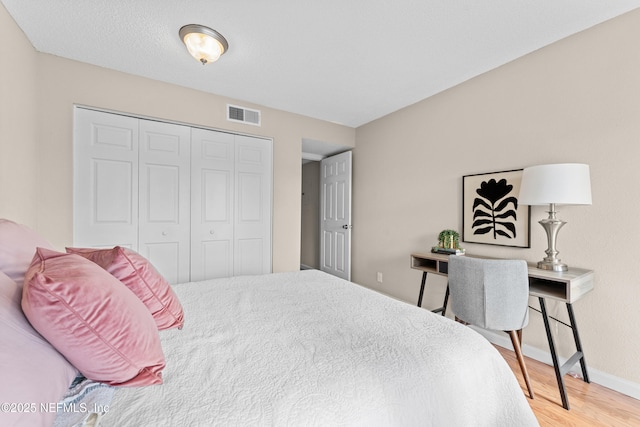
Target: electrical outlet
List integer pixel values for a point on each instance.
(379, 277)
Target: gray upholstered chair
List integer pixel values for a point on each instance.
(492, 294)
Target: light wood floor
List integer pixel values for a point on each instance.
(591, 404)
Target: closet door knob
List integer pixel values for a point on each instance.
(211, 232)
(164, 233)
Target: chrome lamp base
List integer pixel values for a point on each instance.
(551, 226)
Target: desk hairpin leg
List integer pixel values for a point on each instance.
(577, 356)
(576, 337)
(424, 280)
(442, 309)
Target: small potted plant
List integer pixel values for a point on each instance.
(449, 239)
(449, 242)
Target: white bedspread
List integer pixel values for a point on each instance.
(309, 349)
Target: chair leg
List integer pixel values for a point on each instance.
(459, 320)
(517, 347)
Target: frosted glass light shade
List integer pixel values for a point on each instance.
(561, 184)
(203, 43)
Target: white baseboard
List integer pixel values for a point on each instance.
(606, 380)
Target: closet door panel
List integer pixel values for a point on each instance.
(212, 207)
(216, 196)
(250, 256)
(112, 192)
(105, 207)
(166, 257)
(162, 194)
(251, 199)
(218, 255)
(165, 156)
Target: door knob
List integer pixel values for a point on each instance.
(346, 227)
(164, 233)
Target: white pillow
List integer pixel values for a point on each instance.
(32, 372)
(18, 244)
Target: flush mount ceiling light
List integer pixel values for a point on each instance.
(203, 43)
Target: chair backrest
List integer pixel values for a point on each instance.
(490, 293)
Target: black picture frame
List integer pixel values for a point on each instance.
(491, 214)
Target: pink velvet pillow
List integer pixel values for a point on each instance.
(98, 324)
(138, 274)
(18, 243)
(31, 371)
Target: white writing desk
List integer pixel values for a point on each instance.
(568, 287)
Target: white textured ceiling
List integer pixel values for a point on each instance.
(345, 61)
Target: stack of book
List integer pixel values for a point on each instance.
(449, 251)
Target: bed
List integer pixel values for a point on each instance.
(306, 348)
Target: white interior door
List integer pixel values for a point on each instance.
(164, 229)
(105, 195)
(212, 207)
(335, 215)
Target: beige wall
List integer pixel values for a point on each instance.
(38, 143)
(575, 101)
(19, 176)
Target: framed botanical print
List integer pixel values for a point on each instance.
(491, 213)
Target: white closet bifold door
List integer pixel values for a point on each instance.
(194, 202)
(212, 204)
(165, 156)
(105, 195)
(252, 224)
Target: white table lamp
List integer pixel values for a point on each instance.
(557, 184)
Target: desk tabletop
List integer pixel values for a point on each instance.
(566, 286)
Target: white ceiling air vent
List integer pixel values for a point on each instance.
(243, 115)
